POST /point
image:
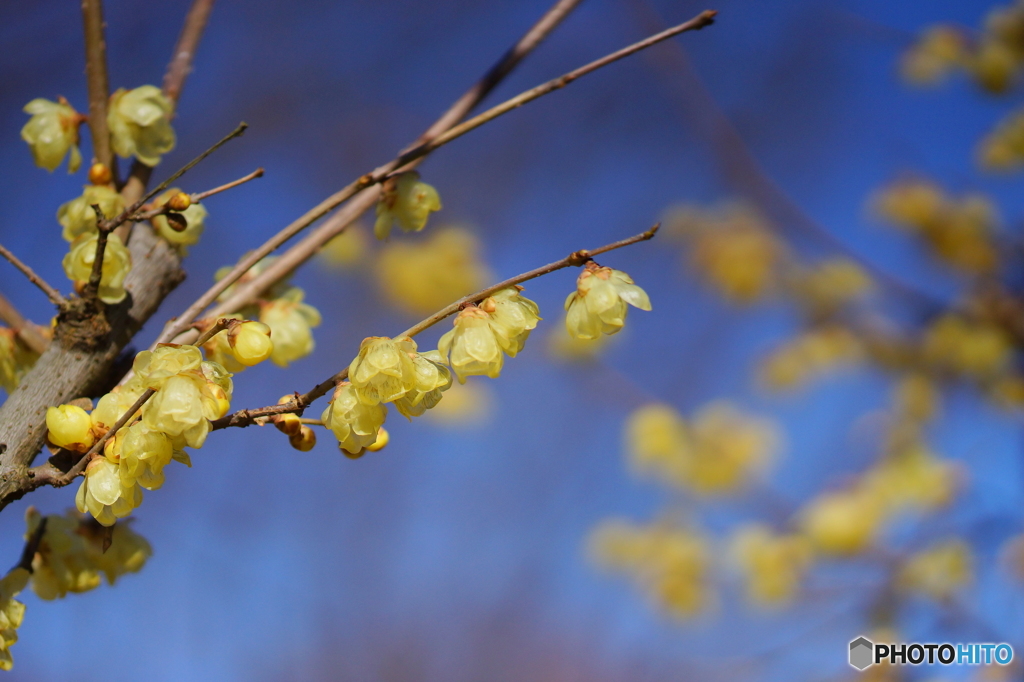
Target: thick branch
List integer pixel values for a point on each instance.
(301, 402)
(98, 83)
(383, 172)
(50, 292)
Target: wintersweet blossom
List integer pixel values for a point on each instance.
(78, 216)
(140, 123)
(117, 263)
(383, 370)
(598, 306)
(407, 201)
(354, 423)
(69, 426)
(51, 133)
(471, 346)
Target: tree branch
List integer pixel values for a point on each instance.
(184, 321)
(98, 83)
(51, 293)
(185, 50)
(26, 331)
(301, 402)
(28, 553)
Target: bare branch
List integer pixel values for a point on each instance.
(199, 196)
(383, 172)
(185, 51)
(98, 83)
(50, 292)
(92, 288)
(26, 330)
(301, 402)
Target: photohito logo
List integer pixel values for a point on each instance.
(865, 653)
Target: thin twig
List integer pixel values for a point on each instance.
(126, 214)
(26, 330)
(185, 50)
(92, 288)
(197, 197)
(383, 172)
(258, 173)
(28, 553)
(301, 402)
(50, 292)
(98, 83)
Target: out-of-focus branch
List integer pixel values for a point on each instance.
(174, 80)
(28, 553)
(185, 50)
(51, 293)
(383, 172)
(97, 81)
(26, 331)
(737, 163)
(301, 402)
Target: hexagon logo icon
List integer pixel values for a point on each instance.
(861, 653)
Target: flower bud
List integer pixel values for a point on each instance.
(185, 226)
(140, 124)
(69, 427)
(250, 342)
(51, 132)
(383, 438)
(99, 174)
(287, 423)
(304, 440)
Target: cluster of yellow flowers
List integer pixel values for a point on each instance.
(959, 230)
(938, 571)
(71, 556)
(672, 563)
(11, 613)
(421, 277)
(829, 286)
(731, 247)
(956, 346)
(811, 354)
(715, 453)
(773, 565)
(189, 393)
(15, 359)
(1003, 148)
(282, 311)
(139, 122)
(405, 200)
(994, 60)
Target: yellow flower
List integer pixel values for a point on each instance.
(354, 423)
(671, 563)
(464, 405)
(117, 262)
(183, 408)
(841, 523)
(912, 479)
(422, 276)
(102, 495)
(127, 553)
(195, 221)
(938, 51)
(144, 454)
(1003, 148)
(831, 285)
(383, 438)
(598, 306)
(291, 322)
(993, 65)
(940, 571)
(346, 250)
(69, 426)
(8, 365)
(657, 440)
(815, 352)
(472, 346)
(773, 565)
(977, 350)
(114, 404)
(78, 217)
(11, 613)
(432, 378)
(51, 132)
(407, 201)
(61, 563)
(513, 317)
(383, 370)
(140, 123)
(154, 368)
(250, 343)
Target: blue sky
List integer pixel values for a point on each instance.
(459, 554)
